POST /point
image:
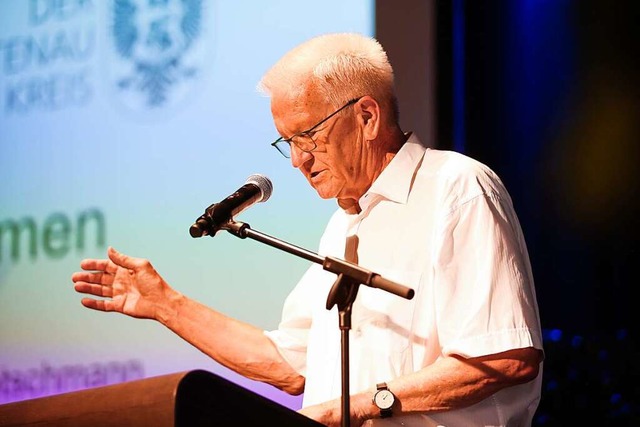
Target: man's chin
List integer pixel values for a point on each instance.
(327, 187)
(325, 195)
(325, 191)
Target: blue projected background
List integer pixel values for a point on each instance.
(120, 122)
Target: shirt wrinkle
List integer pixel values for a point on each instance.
(490, 195)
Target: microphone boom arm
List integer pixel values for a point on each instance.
(331, 264)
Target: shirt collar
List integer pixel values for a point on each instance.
(394, 183)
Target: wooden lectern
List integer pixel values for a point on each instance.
(187, 399)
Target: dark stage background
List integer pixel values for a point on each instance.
(547, 94)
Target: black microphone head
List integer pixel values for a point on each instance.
(257, 188)
(263, 183)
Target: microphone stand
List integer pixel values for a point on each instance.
(343, 292)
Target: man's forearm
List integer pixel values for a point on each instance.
(239, 346)
(450, 383)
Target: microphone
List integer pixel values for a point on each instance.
(257, 188)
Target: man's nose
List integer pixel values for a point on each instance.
(298, 156)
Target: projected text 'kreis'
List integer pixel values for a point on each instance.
(47, 67)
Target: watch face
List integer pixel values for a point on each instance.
(384, 399)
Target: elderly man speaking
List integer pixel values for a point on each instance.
(465, 351)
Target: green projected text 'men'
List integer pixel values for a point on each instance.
(54, 238)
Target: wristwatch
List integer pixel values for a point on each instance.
(384, 399)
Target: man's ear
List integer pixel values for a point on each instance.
(369, 117)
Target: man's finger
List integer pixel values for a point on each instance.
(93, 289)
(97, 277)
(121, 259)
(94, 264)
(100, 305)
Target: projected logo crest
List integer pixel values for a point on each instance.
(159, 51)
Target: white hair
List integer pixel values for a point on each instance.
(339, 67)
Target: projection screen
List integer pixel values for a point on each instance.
(120, 122)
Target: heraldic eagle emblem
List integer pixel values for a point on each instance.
(154, 35)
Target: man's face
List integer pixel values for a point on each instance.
(333, 167)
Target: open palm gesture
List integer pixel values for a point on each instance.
(127, 285)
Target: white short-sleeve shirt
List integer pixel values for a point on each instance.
(444, 225)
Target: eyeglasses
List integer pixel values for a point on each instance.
(304, 140)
